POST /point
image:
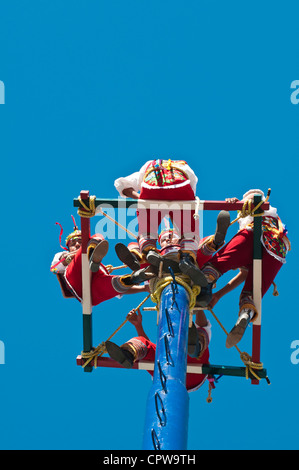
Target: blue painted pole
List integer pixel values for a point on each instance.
(167, 409)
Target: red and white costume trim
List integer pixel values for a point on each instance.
(104, 286)
(238, 253)
(162, 180)
(146, 350)
(204, 252)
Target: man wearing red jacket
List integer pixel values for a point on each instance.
(104, 286)
(141, 348)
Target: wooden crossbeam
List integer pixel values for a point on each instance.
(125, 203)
(207, 369)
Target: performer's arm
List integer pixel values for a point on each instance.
(137, 289)
(136, 320)
(129, 186)
(231, 285)
(130, 192)
(58, 264)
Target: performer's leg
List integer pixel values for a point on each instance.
(247, 308)
(199, 335)
(236, 253)
(190, 232)
(97, 250)
(73, 275)
(105, 286)
(129, 255)
(148, 224)
(135, 349)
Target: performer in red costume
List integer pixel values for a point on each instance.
(68, 267)
(166, 180)
(238, 253)
(169, 254)
(141, 348)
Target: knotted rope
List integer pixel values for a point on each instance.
(94, 353)
(87, 212)
(157, 286)
(248, 211)
(251, 366)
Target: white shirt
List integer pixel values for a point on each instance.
(135, 179)
(60, 268)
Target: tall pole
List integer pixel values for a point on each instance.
(167, 410)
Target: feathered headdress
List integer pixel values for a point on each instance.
(75, 234)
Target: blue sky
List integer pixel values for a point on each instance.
(92, 91)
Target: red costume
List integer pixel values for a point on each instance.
(162, 180)
(104, 286)
(238, 253)
(146, 350)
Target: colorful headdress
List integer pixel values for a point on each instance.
(166, 227)
(165, 233)
(75, 234)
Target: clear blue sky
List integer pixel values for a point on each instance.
(92, 91)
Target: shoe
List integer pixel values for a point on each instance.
(188, 267)
(223, 222)
(122, 356)
(237, 332)
(97, 255)
(205, 296)
(127, 257)
(194, 346)
(142, 275)
(155, 259)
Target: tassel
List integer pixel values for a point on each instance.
(275, 291)
(60, 235)
(74, 222)
(211, 380)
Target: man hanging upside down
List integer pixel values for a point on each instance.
(169, 254)
(166, 180)
(238, 253)
(68, 267)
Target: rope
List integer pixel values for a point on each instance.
(87, 212)
(248, 211)
(117, 223)
(250, 366)
(90, 211)
(94, 353)
(244, 356)
(160, 284)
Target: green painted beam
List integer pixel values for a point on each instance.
(209, 369)
(232, 371)
(123, 203)
(257, 232)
